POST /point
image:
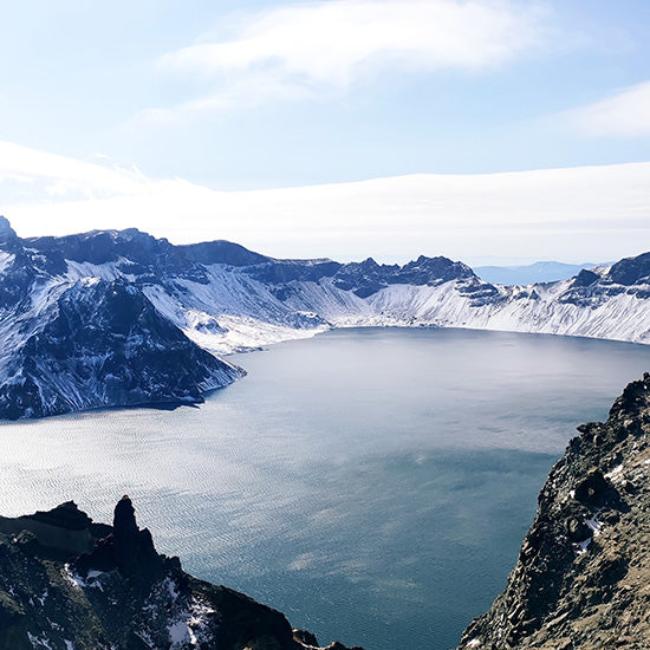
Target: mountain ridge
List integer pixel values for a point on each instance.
(215, 298)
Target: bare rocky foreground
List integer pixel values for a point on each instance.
(582, 579)
(67, 583)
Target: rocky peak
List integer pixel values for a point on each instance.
(222, 252)
(126, 548)
(135, 552)
(369, 263)
(633, 403)
(5, 226)
(368, 277)
(436, 268)
(585, 278)
(122, 349)
(9, 241)
(102, 246)
(125, 526)
(632, 270)
(67, 515)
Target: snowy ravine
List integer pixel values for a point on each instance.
(119, 317)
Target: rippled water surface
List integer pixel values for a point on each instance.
(372, 484)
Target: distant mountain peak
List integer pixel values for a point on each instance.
(369, 262)
(537, 272)
(7, 233)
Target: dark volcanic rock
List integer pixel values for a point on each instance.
(104, 344)
(581, 581)
(126, 549)
(8, 237)
(18, 272)
(131, 250)
(67, 515)
(585, 278)
(101, 246)
(426, 270)
(367, 277)
(632, 270)
(281, 271)
(592, 289)
(120, 594)
(222, 252)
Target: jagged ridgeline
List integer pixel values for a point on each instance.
(118, 318)
(67, 583)
(582, 580)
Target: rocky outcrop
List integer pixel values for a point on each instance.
(367, 278)
(582, 580)
(66, 582)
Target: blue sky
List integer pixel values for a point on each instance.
(250, 95)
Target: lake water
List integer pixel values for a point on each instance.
(374, 485)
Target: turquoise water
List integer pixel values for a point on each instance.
(372, 484)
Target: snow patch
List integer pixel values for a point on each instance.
(615, 474)
(6, 260)
(170, 586)
(42, 598)
(581, 547)
(39, 642)
(190, 627)
(91, 581)
(595, 525)
(72, 578)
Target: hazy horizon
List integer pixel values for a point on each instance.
(485, 261)
(483, 130)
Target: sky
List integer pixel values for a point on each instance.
(492, 131)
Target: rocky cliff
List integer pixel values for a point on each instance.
(582, 579)
(67, 583)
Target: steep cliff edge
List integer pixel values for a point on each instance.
(582, 579)
(67, 583)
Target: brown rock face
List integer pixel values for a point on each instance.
(581, 581)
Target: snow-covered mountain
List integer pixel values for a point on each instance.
(120, 317)
(69, 345)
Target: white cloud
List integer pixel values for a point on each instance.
(596, 213)
(248, 92)
(626, 114)
(59, 175)
(333, 43)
